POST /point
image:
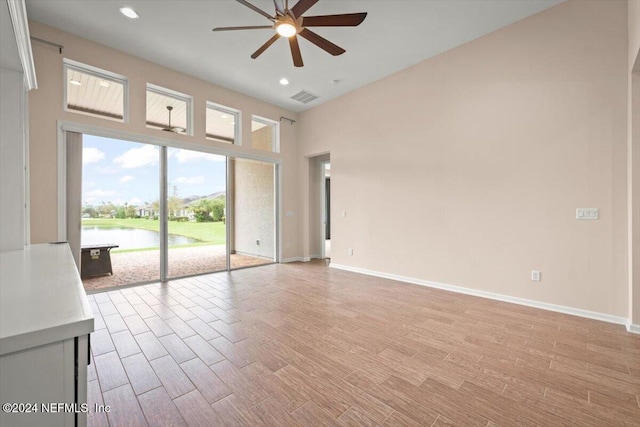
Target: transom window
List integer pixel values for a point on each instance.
(169, 110)
(223, 123)
(94, 92)
(264, 134)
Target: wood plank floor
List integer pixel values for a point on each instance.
(302, 344)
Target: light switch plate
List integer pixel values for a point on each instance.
(587, 213)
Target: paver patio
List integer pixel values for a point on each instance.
(144, 266)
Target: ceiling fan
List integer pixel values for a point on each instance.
(290, 23)
(174, 129)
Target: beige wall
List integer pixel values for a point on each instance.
(253, 195)
(12, 159)
(46, 107)
(261, 139)
(634, 30)
(467, 168)
(634, 160)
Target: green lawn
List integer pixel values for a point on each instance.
(206, 232)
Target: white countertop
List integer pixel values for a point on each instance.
(42, 299)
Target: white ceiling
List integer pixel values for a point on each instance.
(177, 34)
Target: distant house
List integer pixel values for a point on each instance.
(147, 212)
(185, 213)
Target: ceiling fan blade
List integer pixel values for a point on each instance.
(279, 6)
(295, 51)
(256, 9)
(174, 129)
(251, 27)
(345, 20)
(302, 6)
(321, 42)
(264, 47)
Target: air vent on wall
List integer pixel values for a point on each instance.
(304, 97)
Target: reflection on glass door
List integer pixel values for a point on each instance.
(196, 201)
(120, 205)
(253, 209)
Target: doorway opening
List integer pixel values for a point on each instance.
(325, 183)
(320, 229)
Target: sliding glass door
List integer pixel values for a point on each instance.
(174, 212)
(120, 206)
(195, 214)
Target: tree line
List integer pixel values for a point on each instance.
(205, 210)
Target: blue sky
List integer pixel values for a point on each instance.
(121, 171)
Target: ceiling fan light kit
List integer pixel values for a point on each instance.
(290, 23)
(286, 30)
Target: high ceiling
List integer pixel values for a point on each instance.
(177, 34)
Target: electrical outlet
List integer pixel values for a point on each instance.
(350, 251)
(536, 275)
(344, 214)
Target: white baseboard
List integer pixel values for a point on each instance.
(634, 329)
(499, 297)
(296, 259)
(292, 259)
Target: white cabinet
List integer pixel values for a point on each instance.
(45, 321)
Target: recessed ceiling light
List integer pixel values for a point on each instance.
(129, 13)
(284, 81)
(103, 83)
(75, 82)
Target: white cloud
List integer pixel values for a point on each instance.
(99, 193)
(127, 178)
(138, 157)
(91, 155)
(185, 156)
(190, 180)
(108, 170)
(135, 201)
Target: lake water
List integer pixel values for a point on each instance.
(129, 238)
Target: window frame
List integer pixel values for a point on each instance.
(237, 140)
(70, 64)
(160, 90)
(275, 134)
